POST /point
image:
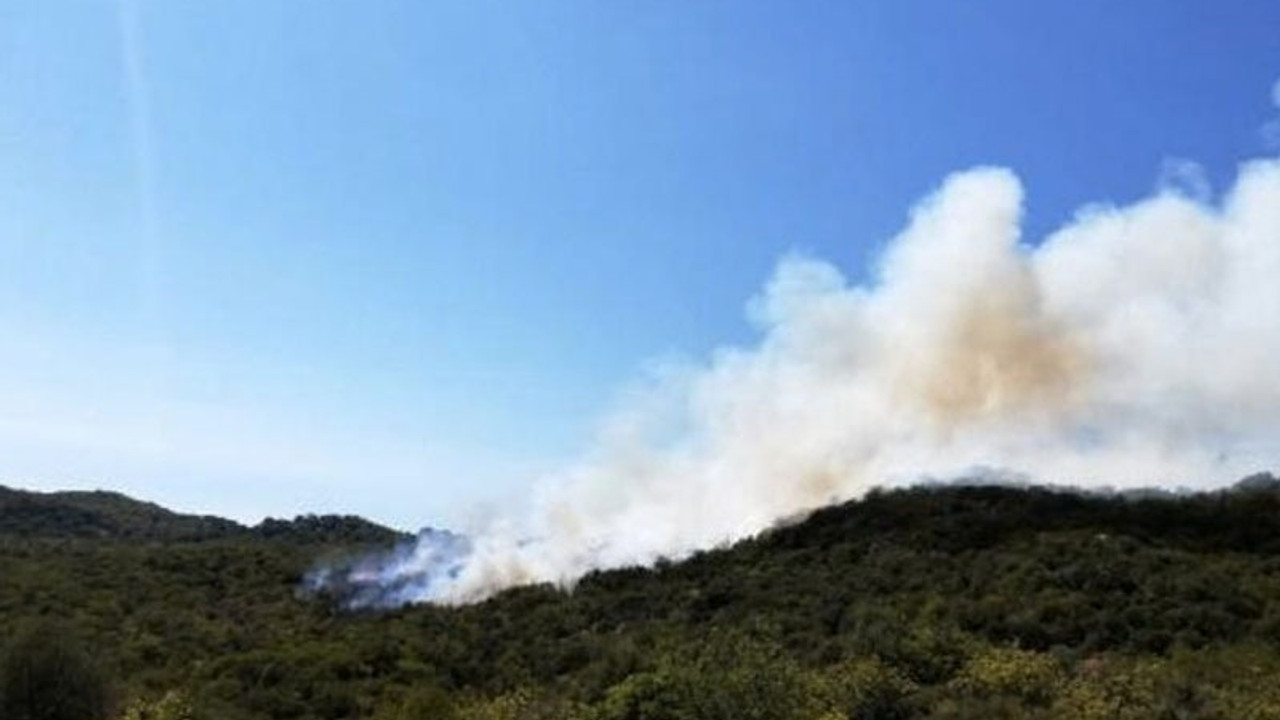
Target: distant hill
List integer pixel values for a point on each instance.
(331, 529)
(101, 514)
(105, 514)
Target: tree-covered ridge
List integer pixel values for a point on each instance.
(100, 514)
(104, 514)
(947, 602)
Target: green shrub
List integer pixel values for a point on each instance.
(46, 674)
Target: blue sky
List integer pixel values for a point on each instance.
(396, 258)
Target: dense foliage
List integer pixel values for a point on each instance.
(939, 602)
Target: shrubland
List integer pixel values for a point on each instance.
(928, 602)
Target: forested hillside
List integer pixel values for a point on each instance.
(932, 602)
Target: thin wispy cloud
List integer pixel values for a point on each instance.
(137, 94)
(1184, 177)
(1271, 129)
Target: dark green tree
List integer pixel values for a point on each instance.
(46, 674)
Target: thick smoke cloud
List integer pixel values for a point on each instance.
(1136, 346)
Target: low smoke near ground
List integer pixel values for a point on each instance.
(1136, 346)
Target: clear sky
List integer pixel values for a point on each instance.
(261, 257)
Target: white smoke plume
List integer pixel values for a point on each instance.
(1138, 345)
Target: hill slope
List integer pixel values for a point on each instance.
(929, 602)
(110, 515)
(100, 514)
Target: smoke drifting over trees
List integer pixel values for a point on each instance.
(1133, 346)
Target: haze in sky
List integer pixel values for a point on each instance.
(399, 258)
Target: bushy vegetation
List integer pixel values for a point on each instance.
(933, 602)
(47, 675)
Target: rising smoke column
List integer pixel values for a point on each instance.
(1135, 346)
